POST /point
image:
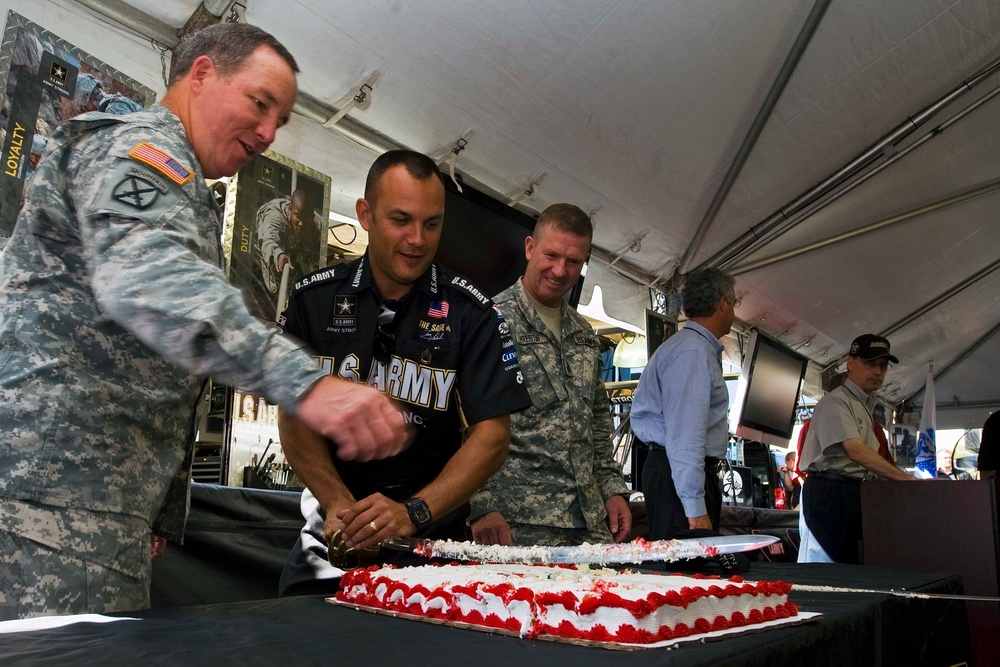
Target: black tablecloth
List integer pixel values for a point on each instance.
(856, 629)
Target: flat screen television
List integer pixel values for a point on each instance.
(768, 393)
(483, 238)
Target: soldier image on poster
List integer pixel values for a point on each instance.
(276, 211)
(288, 234)
(91, 96)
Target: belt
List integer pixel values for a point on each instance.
(711, 462)
(834, 476)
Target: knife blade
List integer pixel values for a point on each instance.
(629, 552)
(889, 591)
(416, 545)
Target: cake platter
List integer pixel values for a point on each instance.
(637, 551)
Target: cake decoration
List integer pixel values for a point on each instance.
(591, 604)
(636, 551)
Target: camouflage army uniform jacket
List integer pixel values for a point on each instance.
(112, 304)
(560, 469)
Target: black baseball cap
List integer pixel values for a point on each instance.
(870, 346)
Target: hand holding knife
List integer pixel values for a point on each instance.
(365, 525)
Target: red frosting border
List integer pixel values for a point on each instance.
(602, 598)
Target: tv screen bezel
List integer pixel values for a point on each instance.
(757, 341)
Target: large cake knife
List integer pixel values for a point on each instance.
(627, 552)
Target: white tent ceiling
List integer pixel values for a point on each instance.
(637, 109)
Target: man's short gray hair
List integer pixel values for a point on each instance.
(704, 288)
(229, 45)
(566, 218)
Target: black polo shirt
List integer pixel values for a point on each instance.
(452, 363)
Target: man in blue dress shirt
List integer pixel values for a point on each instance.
(679, 410)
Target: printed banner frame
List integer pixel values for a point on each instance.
(46, 80)
(259, 228)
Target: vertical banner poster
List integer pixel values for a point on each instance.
(45, 81)
(277, 214)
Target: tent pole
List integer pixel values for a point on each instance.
(135, 20)
(965, 354)
(777, 87)
(863, 178)
(932, 304)
(306, 106)
(871, 154)
(958, 198)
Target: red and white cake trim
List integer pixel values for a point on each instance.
(569, 603)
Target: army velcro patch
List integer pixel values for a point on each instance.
(584, 339)
(137, 191)
(529, 339)
(162, 162)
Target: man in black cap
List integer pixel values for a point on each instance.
(844, 447)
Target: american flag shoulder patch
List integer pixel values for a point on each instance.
(162, 162)
(438, 309)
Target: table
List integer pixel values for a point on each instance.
(857, 629)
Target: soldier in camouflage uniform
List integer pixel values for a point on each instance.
(113, 305)
(287, 234)
(560, 484)
(90, 96)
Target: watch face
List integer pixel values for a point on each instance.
(418, 511)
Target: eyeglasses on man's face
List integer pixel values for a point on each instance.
(881, 364)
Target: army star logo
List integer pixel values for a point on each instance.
(135, 191)
(266, 172)
(346, 306)
(57, 71)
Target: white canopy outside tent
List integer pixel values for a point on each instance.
(643, 113)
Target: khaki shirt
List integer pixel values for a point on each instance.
(842, 414)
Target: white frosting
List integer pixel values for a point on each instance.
(582, 583)
(625, 552)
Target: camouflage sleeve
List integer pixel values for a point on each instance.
(481, 501)
(269, 223)
(170, 520)
(607, 471)
(152, 253)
